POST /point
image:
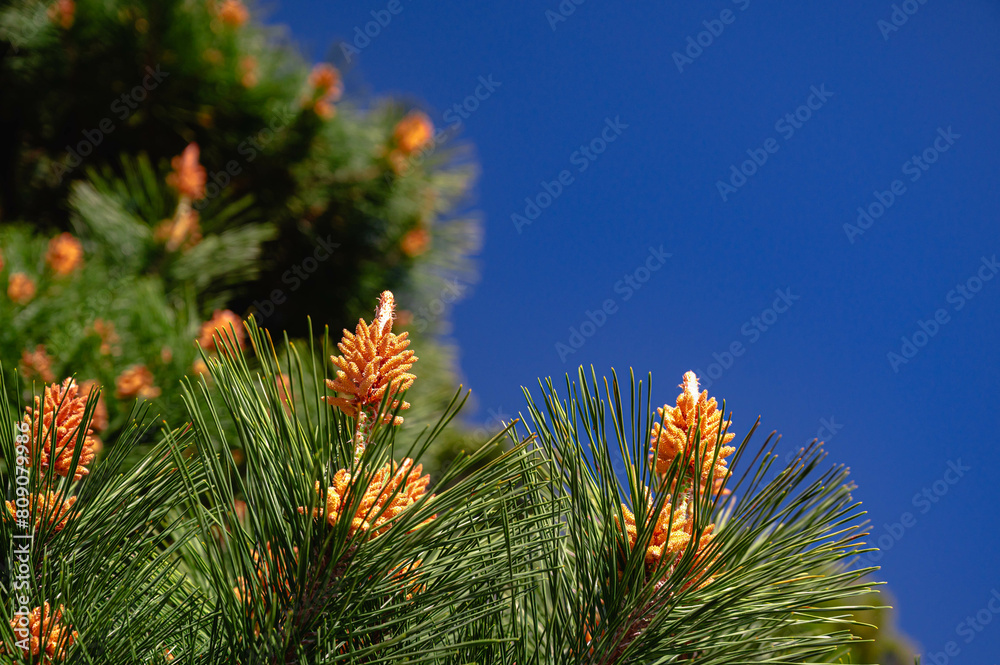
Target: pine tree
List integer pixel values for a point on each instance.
(201, 166)
(332, 545)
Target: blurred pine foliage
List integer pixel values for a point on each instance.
(312, 205)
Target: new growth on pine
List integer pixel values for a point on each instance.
(335, 546)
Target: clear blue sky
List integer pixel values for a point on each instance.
(879, 96)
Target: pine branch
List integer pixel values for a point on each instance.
(768, 585)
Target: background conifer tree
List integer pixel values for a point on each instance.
(302, 203)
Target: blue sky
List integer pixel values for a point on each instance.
(692, 202)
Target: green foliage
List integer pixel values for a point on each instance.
(750, 594)
(166, 541)
(128, 304)
(512, 559)
(883, 642)
(304, 214)
(242, 94)
(113, 566)
(339, 593)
